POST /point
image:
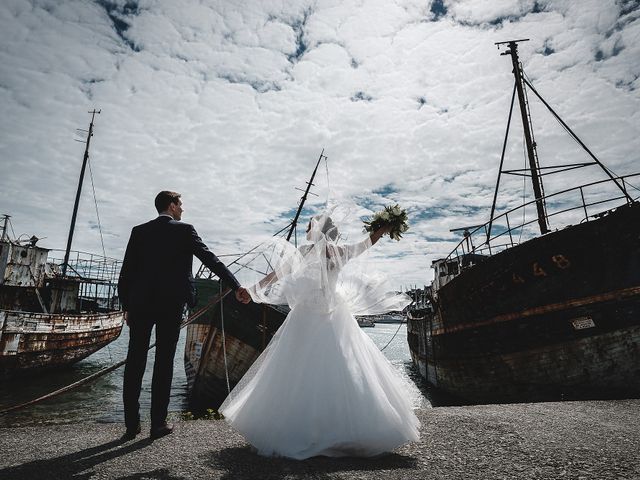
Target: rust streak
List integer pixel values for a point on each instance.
(553, 307)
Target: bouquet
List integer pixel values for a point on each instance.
(394, 216)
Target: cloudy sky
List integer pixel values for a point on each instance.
(231, 103)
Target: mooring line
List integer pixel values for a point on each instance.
(106, 370)
(394, 336)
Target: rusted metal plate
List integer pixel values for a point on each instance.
(64, 294)
(22, 266)
(582, 323)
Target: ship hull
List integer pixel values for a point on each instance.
(419, 342)
(33, 343)
(555, 317)
(211, 357)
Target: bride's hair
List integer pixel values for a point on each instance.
(328, 228)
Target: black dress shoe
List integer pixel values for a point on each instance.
(161, 431)
(131, 433)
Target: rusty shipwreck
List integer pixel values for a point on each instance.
(520, 315)
(54, 311)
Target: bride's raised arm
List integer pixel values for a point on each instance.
(348, 252)
(377, 235)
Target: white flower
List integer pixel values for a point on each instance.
(395, 216)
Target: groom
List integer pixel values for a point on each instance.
(155, 283)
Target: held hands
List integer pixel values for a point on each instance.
(242, 295)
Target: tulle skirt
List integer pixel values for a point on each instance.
(322, 387)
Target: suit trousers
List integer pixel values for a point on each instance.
(167, 323)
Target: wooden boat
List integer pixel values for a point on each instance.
(556, 316)
(54, 312)
(391, 317)
(365, 321)
(248, 329)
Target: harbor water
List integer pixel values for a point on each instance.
(101, 400)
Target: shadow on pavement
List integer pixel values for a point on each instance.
(158, 474)
(75, 465)
(242, 462)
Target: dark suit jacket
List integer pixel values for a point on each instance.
(157, 266)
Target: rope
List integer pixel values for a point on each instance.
(104, 252)
(394, 336)
(224, 344)
(524, 189)
(67, 388)
(106, 370)
(95, 201)
(12, 231)
(326, 167)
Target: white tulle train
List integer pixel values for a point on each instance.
(322, 387)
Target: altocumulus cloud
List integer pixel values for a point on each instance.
(232, 106)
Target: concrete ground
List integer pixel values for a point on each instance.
(568, 440)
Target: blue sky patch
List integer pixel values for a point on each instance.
(439, 9)
(118, 15)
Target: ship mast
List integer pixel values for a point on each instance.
(294, 222)
(5, 232)
(75, 206)
(536, 178)
(291, 226)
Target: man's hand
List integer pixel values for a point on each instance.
(242, 295)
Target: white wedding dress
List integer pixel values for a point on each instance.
(322, 387)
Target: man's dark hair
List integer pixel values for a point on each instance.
(164, 199)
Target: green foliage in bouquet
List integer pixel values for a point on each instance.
(394, 216)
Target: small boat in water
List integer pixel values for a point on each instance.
(391, 317)
(366, 320)
(554, 316)
(53, 311)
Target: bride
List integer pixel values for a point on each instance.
(322, 387)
